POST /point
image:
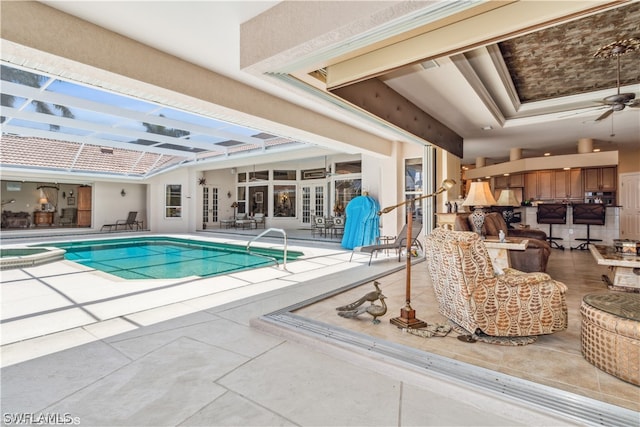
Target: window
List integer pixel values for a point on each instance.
(259, 176)
(173, 201)
(258, 200)
(343, 168)
(288, 175)
(413, 175)
(284, 200)
(242, 198)
(346, 189)
(413, 182)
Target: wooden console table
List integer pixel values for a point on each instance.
(625, 269)
(41, 218)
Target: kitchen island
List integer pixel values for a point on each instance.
(569, 232)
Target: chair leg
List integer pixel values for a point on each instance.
(586, 242)
(552, 240)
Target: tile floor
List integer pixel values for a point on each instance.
(554, 360)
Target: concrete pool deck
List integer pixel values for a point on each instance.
(52, 306)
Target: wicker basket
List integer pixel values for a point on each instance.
(611, 342)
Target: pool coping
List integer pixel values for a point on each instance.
(50, 254)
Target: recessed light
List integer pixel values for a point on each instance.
(596, 150)
(547, 154)
(505, 174)
(487, 127)
(566, 169)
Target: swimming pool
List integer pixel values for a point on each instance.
(168, 257)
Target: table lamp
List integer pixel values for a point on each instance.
(508, 200)
(479, 197)
(43, 201)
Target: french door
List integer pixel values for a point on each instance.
(314, 200)
(209, 205)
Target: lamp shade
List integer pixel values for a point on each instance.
(234, 204)
(43, 200)
(479, 195)
(508, 198)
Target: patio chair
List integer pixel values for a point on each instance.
(320, 225)
(129, 223)
(338, 226)
(259, 220)
(68, 216)
(399, 243)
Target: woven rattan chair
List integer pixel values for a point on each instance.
(470, 294)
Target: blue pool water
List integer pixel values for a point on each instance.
(167, 258)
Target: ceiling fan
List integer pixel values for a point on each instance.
(619, 101)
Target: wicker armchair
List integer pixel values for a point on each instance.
(514, 304)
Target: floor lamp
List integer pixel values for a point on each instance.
(407, 318)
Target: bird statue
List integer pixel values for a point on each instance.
(373, 309)
(370, 296)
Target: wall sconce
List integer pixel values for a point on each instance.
(228, 194)
(70, 193)
(123, 193)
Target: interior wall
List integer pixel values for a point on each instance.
(629, 159)
(109, 206)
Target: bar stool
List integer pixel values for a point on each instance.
(552, 213)
(589, 214)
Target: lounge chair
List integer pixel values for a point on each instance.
(399, 243)
(129, 223)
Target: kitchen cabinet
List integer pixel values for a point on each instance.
(510, 181)
(568, 184)
(84, 206)
(600, 179)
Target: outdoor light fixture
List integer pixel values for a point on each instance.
(123, 193)
(407, 318)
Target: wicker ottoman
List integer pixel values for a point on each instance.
(611, 333)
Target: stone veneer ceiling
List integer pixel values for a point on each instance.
(559, 61)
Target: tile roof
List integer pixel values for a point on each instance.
(43, 153)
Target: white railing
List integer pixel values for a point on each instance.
(284, 235)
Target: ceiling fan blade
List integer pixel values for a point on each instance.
(634, 104)
(604, 115)
(582, 111)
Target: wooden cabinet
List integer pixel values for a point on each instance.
(84, 206)
(568, 184)
(538, 185)
(545, 185)
(530, 185)
(600, 179)
(513, 180)
(42, 218)
(554, 185)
